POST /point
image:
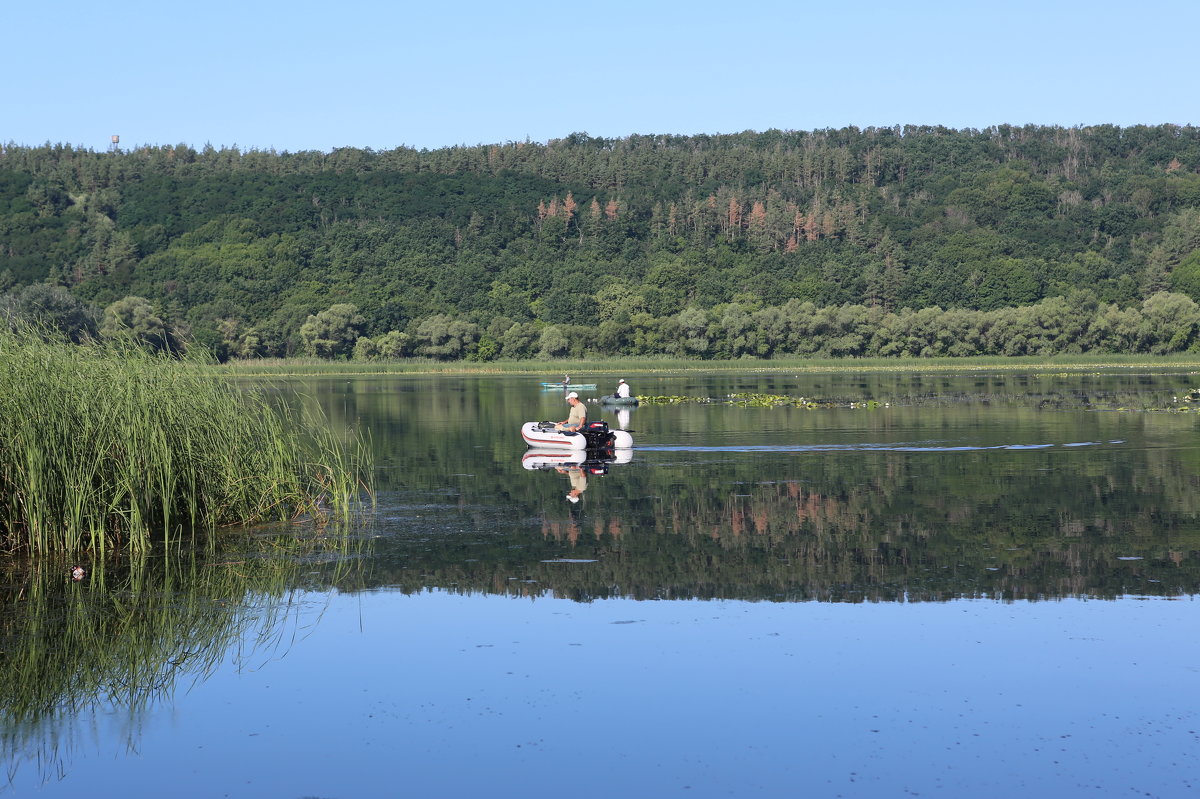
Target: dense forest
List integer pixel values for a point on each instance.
(904, 241)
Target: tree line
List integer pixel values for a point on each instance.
(893, 241)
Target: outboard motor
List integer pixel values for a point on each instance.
(597, 435)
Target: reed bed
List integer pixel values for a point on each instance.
(665, 364)
(112, 446)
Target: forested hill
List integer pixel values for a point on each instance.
(753, 243)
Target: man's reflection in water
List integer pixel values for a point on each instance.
(578, 477)
(623, 418)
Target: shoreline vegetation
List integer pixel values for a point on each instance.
(624, 366)
(109, 447)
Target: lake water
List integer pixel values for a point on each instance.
(976, 585)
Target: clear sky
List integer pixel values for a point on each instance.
(300, 75)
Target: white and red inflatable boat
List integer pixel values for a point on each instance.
(594, 436)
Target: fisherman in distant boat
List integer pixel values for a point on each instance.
(566, 380)
(621, 396)
(578, 417)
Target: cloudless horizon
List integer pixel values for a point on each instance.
(317, 76)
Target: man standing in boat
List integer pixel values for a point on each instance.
(573, 423)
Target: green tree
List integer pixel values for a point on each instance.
(332, 333)
(134, 319)
(519, 340)
(53, 308)
(1185, 278)
(1169, 322)
(553, 342)
(394, 345)
(694, 326)
(445, 338)
(365, 349)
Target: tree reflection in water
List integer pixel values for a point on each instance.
(1005, 486)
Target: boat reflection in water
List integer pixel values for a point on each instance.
(577, 465)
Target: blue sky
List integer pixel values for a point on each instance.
(302, 75)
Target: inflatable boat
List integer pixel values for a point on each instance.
(613, 399)
(594, 436)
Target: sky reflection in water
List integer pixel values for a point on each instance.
(453, 695)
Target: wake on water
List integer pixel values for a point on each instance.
(924, 446)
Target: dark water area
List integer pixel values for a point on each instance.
(951, 585)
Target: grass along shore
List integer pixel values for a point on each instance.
(585, 370)
(106, 447)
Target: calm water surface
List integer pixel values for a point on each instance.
(977, 585)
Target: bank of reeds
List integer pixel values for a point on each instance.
(585, 370)
(112, 446)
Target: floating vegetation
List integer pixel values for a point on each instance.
(748, 399)
(1187, 403)
(670, 399)
(106, 447)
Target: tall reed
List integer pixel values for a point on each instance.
(105, 446)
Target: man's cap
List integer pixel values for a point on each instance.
(622, 380)
(572, 498)
(572, 395)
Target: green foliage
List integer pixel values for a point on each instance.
(1185, 278)
(133, 320)
(620, 236)
(445, 338)
(394, 345)
(50, 308)
(365, 349)
(332, 333)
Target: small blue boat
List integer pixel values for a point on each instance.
(571, 386)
